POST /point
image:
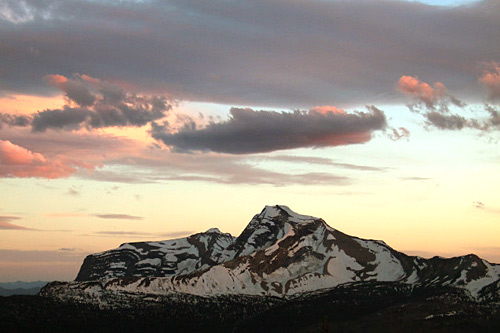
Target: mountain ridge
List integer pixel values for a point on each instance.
(280, 253)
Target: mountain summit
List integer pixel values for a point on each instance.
(279, 253)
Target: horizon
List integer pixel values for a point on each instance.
(148, 120)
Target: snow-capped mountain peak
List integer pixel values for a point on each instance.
(279, 253)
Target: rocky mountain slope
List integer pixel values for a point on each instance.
(280, 253)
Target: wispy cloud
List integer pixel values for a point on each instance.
(480, 205)
(5, 223)
(65, 215)
(319, 161)
(73, 191)
(137, 234)
(119, 217)
(69, 249)
(416, 178)
(41, 256)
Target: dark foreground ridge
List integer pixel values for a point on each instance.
(365, 307)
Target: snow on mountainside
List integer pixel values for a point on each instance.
(280, 253)
(154, 259)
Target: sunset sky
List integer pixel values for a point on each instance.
(124, 121)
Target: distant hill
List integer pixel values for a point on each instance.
(21, 288)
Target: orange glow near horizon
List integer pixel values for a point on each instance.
(28, 104)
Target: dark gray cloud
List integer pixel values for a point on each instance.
(248, 131)
(493, 120)
(489, 121)
(446, 121)
(14, 120)
(92, 103)
(265, 52)
(108, 106)
(119, 217)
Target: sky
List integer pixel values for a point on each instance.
(125, 121)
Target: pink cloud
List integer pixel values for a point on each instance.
(326, 109)
(6, 225)
(56, 79)
(423, 92)
(491, 80)
(16, 161)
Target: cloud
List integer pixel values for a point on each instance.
(272, 53)
(16, 161)
(123, 233)
(447, 122)
(422, 91)
(319, 161)
(248, 131)
(73, 191)
(65, 215)
(75, 90)
(255, 176)
(433, 97)
(14, 120)
(69, 249)
(27, 256)
(491, 81)
(6, 225)
(98, 104)
(136, 234)
(494, 117)
(85, 149)
(416, 178)
(478, 204)
(119, 217)
(121, 160)
(483, 207)
(433, 104)
(177, 234)
(399, 133)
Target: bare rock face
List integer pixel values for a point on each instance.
(280, 253)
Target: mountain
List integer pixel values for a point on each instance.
(279, 254)
(23, 284)
(21, 288)
(19, 291)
